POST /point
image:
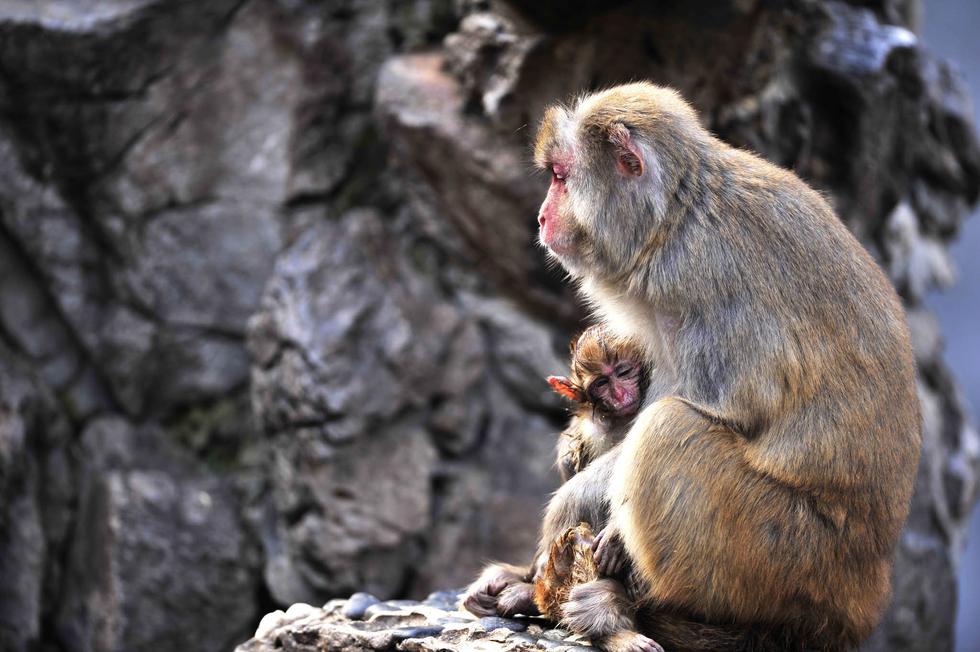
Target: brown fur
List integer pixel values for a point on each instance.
(569, 563)
(568, 589)
(576, 447)
(762, 489)
(596, 346)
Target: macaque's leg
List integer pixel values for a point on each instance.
(517, 599)
(603, 611)
(583, 499)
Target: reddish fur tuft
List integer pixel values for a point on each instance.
(566, 388)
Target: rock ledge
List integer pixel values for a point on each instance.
(435, 624)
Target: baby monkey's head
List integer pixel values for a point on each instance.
(607, 374)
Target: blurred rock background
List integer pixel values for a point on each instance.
(949, 29)
(273, 327)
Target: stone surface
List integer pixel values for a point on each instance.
(410, 626)
(274, 326)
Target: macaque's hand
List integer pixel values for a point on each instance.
(608, 552)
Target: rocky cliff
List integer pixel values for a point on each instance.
(273, 328)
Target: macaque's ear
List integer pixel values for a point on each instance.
(566, 388)
(629, 159)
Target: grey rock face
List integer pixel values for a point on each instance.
(154, 237)
(274, 326)
(374, 386)
(163, 560)
(22, 544)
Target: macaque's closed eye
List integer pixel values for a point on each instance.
(623, 370)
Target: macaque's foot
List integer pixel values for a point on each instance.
(517, 599)
(597, 609)
(480, 603)
(608, 552)
(629, 642)
(482, 598)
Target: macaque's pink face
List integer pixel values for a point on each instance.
(616, 391)
(554, 219)
(562, 227)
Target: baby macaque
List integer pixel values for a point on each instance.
(607, 384)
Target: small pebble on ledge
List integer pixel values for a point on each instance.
(436, 624)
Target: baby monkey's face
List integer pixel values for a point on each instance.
(607, 375)
(616, 391)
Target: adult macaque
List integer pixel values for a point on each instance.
(607, 382)
(761, 490)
